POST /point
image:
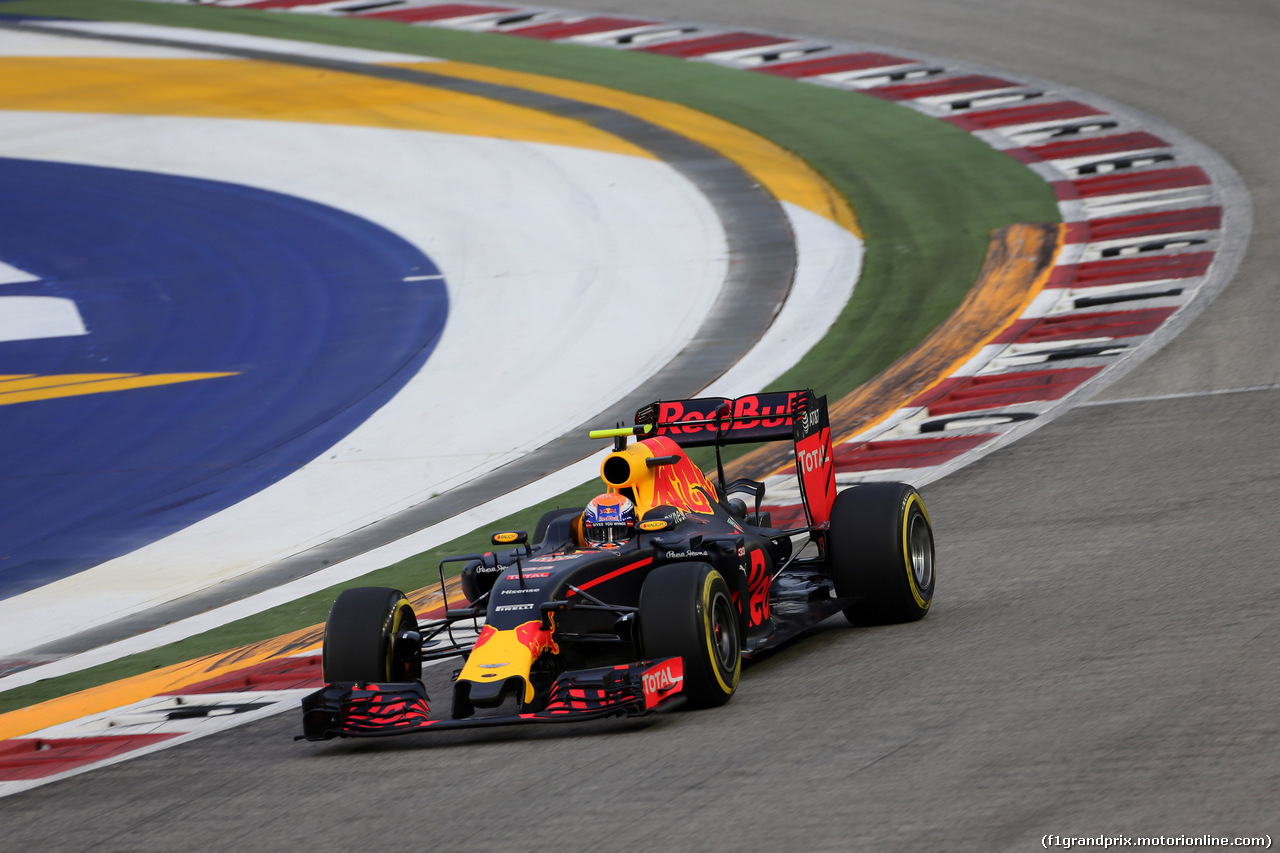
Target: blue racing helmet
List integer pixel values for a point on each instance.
(609, 518)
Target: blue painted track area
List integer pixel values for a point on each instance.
(308, 306)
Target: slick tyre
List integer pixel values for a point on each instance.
(686, 610)
(359, 637)
(880, 549)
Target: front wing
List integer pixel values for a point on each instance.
(367, 709)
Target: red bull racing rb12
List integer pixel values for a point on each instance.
(648, 598)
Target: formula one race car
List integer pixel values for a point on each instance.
(648, 598)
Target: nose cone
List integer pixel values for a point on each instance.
(499, 666)
(470, 695)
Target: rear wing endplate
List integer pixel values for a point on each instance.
(815, 463)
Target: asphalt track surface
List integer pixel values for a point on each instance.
(1102, 655)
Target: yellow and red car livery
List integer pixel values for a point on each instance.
(570, 629)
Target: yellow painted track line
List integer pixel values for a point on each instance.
(269, 91)
(28, 388)
(266, 91)
(783, 174)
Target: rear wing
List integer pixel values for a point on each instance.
(774, 416)
(708, 421)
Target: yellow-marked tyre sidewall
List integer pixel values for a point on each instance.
(715, 590)
(402, 618)
(359, 636)
(913, 512)
(880, 537)
(681, 606)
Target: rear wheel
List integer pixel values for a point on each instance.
(359, 637)
(686, 610)
(881, 551)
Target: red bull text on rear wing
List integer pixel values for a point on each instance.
(773, 416)
(707, 421)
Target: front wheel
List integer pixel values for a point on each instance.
(686, 610)
(880, 550)
(360, 637)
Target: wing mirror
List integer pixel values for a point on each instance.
(511, 537)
